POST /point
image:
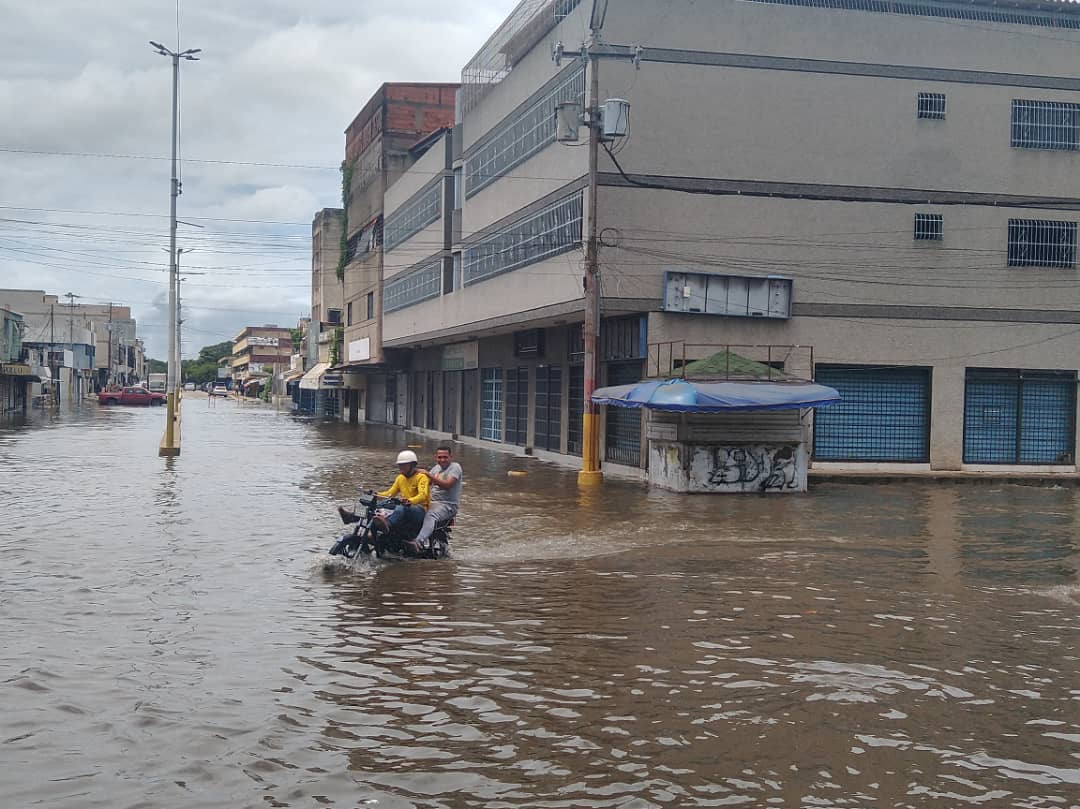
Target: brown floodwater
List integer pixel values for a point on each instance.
(172, 634)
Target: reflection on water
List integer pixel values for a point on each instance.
(172, 634)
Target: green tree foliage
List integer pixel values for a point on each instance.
(204, 368)
(156, 366)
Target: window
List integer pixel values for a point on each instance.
(1045, 125)
(459, 188)
(371, 306)
(1019, 417)
(931, 105)
(1042, 243)
(550, 232)
(417, 213)
(491, 404)
(956, 12)
(348, 313)
(333, 316)
(412, 287)
(457, 270)
(928, 227)
(883, 415)
(522, 134)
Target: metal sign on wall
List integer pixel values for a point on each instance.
(461, 356)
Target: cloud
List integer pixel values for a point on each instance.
(278, 82)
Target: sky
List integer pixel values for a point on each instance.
(84, 145)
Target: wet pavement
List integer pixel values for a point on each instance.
(173, 635)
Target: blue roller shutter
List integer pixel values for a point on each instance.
(1019, 417)
(884, 415)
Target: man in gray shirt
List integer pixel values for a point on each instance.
(445, 479)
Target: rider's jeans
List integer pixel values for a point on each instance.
(406, 519)
(437, 513)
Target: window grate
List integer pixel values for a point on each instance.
(519, 136)
(413, 287)
(1024, 417)
(929, 227)
(932, 106)
(1042, 243)
(491, 405)
(550, 232)
(1045, 125)
(883, 415)
(413, 216)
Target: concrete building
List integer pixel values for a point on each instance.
(891, 189)
(62, 335)
(117, 351)
(259, 355)
(15, 372)
(387, 137)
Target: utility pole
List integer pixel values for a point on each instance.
(169, 445)
(109, 367)
(590, 427)
(73, 388)
(53, 368)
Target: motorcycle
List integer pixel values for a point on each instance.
(372, 534)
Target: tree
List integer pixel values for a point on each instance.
(157, 366)
(204, 368)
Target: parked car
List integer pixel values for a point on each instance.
(219, 390)
(135, 395)
(189, 386)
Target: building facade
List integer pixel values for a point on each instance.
(890, 191)
(260, 355)
(388, 136)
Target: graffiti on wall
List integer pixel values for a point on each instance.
(751, 468)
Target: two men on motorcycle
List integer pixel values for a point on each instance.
(418, 515)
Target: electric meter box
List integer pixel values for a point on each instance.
(616, 118)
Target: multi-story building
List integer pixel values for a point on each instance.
(387, 137)
(890, 187)
(15, 373)
(259, 355)
(117, 347)
(62, 335)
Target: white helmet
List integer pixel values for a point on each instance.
(407, 456)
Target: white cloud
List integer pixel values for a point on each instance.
(278, 82)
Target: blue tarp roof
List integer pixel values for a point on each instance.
(687, 396)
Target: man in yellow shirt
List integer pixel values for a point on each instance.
(414, 489)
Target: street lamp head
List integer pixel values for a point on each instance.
(160, 48)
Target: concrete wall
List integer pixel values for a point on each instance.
(327, 291)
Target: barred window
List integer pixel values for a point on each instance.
(928, 227)
(413, 286)
(1045, 125)
(549, 232)
(928, 9)
(931, 105)
(519, 136)
(1042, 243)
(417, 213)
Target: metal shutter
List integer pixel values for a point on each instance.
(884, 415)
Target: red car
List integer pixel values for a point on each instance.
(131, 396)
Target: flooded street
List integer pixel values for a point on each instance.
(172, 634)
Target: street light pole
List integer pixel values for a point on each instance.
(169, 445)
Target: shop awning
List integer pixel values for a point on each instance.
(686, 396)
(313, 379)
(290, 376)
